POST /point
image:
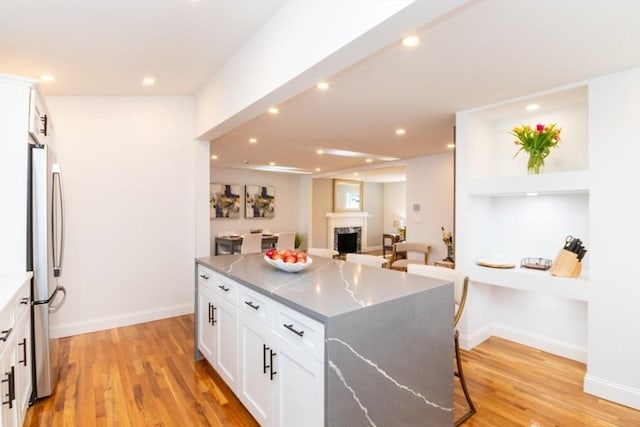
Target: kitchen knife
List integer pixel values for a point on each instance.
(581, 254)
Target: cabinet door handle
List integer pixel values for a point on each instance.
(271, 371)
(5, 334)
(291, 328)
(11, 392)
(250, 304)
(24, 351)
(44, 121)
(204, 276)
(223, 288)
(264, 358)
(24, 301)
(212, 316)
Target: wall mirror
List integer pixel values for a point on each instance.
(347, 195)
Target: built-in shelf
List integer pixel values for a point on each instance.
(531, 280)
(551, 183)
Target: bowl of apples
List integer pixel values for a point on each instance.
(289, 261)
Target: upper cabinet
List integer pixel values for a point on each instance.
(39, 122)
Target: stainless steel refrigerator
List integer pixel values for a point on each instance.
(46, 236)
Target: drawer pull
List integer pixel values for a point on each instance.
(291, 328)
(24, 301)
(5, 334)
(204, 276)
(223, 288)
(250, 304)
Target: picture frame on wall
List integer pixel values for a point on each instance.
(260, 201)
(224, 201)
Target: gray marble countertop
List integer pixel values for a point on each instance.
(327, 288)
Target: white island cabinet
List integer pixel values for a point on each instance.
(279, 380)
(15, 347)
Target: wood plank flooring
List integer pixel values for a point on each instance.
(144, 375)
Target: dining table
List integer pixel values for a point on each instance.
(233, 244)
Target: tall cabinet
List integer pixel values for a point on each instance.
(588, 190)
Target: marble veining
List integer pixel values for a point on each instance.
(230, 266)
(387, 376)
(348, 285)
(353, 393)
(300, 277)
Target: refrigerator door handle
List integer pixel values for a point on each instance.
(58, 252)
(53, 308)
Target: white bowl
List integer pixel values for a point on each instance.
(289, 267)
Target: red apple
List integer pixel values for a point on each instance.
(270, 253)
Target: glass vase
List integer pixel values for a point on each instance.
(535, 165)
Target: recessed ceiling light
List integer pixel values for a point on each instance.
(148, 81)
(400, 131)
(214, 157)
(323, 85)
(411, 41)
(369, 160)
(532, 107)
(355, 173)
(319, 151)
(451, 145)
(273, 110)
(318, 169)
(253, 140)
(531, 194)
(47, 78)
(272, 163)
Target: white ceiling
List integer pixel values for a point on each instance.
(484, 52)
(106, 47)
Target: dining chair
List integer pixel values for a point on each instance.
(372, 260)
(322, 252)
(460, 286)
(406, 253)
(286, 240)
(251, 243)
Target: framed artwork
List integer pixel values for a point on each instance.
(260, 201)
(224, 201)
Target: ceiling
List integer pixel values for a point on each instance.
(483, 52)
(106, 47)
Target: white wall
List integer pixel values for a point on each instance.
(395, 204)
(430, 184)
(614, 308)
(128, 164)
(287, 193)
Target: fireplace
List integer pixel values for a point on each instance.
(347, 239)
(347, 222)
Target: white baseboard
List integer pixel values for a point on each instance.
(541, 342)
(612, 391)
(99, 324)
(470, 340)
(372, 248)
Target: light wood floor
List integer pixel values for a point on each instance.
(144, 375)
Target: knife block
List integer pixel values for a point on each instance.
(566, 264)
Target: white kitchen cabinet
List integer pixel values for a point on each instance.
(255, 388)
(270, 355)
(299, 387)
(15, 347)
(218, 334)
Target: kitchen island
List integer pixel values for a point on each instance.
(336, 344)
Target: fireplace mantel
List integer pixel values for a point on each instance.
(347, 219)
